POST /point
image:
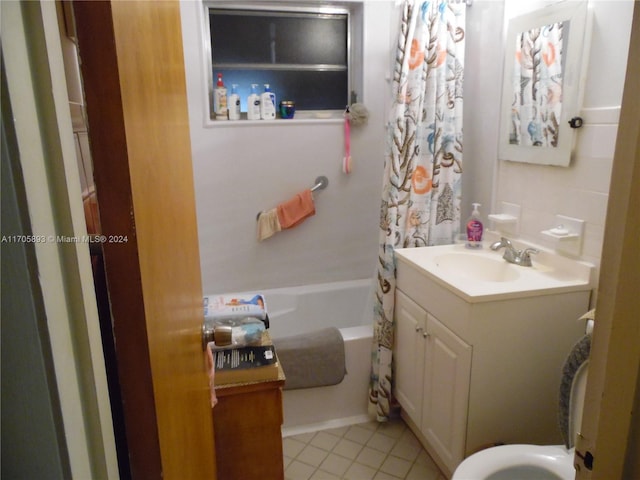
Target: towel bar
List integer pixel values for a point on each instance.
(321, 184)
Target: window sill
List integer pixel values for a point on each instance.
(300, 118)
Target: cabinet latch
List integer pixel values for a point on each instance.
(576, 122)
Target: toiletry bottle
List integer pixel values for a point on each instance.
(474, 228)
(234, 103)
(220, 100)
(253, 103)
(267, 104)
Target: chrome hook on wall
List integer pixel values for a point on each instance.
(321, 183)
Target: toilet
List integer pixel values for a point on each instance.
(539, 462)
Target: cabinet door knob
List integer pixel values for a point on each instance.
(418, 329)
(426, 335)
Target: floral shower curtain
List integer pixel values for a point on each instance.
(423, 160)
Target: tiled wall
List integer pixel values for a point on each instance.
(579, 191)
(241, 169)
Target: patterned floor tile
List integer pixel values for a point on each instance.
(367, 451)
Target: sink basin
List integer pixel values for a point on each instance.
(483, 275)
(477, 267)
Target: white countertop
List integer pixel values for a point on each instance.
(482, 274)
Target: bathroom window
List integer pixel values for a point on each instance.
(304, 54)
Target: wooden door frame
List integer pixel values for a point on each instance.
(108, 140)
(36, 83)
(134, 83)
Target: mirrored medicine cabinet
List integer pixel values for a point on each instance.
(546, 54)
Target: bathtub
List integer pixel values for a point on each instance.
(347, 306)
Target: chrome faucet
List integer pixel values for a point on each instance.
(513, 255)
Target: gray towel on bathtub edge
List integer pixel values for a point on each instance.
(312, 359)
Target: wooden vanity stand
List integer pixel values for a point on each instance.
(248, 436)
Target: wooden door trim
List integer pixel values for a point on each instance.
(135, 88)
(107, 134)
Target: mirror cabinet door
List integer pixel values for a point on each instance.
(545, 60)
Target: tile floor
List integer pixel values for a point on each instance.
(367, 451)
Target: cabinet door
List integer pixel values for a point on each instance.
(408, 352)
(446, 392)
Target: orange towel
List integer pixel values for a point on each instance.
(294, 211)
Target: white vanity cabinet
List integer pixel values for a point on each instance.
(472, 372)
(433, 366)
(409, 355)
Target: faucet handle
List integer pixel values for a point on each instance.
(525, 256)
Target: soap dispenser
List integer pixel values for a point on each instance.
(234, 103)
(474, 228)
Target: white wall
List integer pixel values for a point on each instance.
(242, 169)
(582, 189)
